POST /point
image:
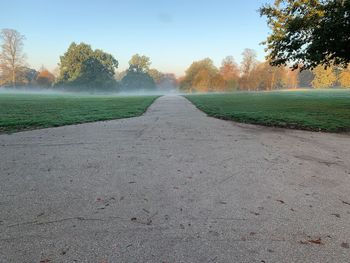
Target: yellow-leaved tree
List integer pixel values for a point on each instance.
(324, 78)
(344, 78)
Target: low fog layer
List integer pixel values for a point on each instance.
(41, 91)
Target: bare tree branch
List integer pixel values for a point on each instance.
(12, 58)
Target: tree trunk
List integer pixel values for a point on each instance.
(272, 80)
(14, 78)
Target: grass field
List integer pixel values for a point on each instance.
(316, 110)
(31, 111)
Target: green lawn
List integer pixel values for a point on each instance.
(317, 110)
(31, 111)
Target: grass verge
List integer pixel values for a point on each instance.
(315, 110)
(31, 111)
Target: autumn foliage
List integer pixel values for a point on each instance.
(45, 78)
(203, 76)
(252, 75)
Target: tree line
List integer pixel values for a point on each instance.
(252, 75)
(82, 68)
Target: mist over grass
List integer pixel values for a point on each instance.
(32, 110)
(70, 92)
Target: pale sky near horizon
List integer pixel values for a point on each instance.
(173, 33)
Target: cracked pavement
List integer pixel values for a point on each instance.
(172, 186)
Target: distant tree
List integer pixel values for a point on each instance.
(12, 58)
(137, 80)
(305, 78)
(168, 82)
(198, 77)
(84, 68)
(292, 81)
(202, 81)
(156, 75)
(249, 61)
(140, 63)
(27, 76)
(308, 33)
(279, 77)
(230, 72)
(109, 63)
(324, 78)
(266, 77)
(344, 78)
(45, 78)
(248, 64)
(218, 84)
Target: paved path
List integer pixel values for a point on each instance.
(174, 186)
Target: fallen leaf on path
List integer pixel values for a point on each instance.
(346, 203)
(336, 215)
(316, 241)
(312, 241)
(345, 245)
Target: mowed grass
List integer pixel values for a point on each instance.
(316, 110)
(30, 111)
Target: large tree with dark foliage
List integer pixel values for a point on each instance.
(137, 79)
(83, 68)
(307, 33)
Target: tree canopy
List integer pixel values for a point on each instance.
(344, 78)
(156, 75)
(200, 76)
(307, 33)
(140, 77)
(12, 58)
(248, 64)
(82, 67)
(136, 80)
(45, 78)
(324, 78)
(140, 63)
(230, 72)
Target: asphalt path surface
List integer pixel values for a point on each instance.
(174, 186)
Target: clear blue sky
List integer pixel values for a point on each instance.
(172, 32)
